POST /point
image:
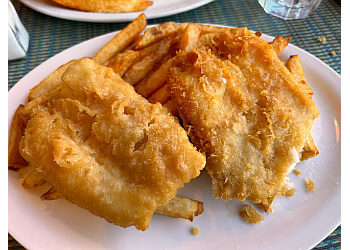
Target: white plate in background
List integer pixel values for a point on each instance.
(299, 222)
(160, 8)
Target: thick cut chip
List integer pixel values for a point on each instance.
(51, 82)
(155, 34)
(110, 6)
(121, 40)
(280, 43)
(190, 37)
(18, 125)
(122, 155)
(182, 207)
(140, 69)
(245, 110)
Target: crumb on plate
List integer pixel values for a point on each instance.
(195, 231)
(309, 185)
(297, 172)
(250, 214)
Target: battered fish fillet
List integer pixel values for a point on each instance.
(245, 111)
(107, 6)
(107, 149)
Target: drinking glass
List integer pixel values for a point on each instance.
(290, 9)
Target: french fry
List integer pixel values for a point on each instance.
(120, 41)
(49, 83)
(294, 66)
(205, 29)
(33, 179)
(280, 43)
(162, 95)
(190, 37)
(51, 194)
(156, 80)
(155, 34)
(142, 68)
(181, 207)
(123, 61)
(18, 125)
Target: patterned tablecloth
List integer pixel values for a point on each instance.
(50, 35)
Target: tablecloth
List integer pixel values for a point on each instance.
(50, 35)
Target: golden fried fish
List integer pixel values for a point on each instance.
(109, 6)
(105, 148)
(245, 111)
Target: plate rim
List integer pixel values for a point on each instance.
(82, 16)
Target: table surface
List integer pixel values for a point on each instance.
(50, 35)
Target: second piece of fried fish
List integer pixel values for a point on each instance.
(244, 109)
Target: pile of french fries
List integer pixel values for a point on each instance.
(143, 60)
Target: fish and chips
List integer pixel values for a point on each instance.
(149, 111)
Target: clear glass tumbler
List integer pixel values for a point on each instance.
(290, 9)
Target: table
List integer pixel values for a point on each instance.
(46, 31)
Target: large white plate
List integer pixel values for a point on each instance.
(299, 222)
(160, 8)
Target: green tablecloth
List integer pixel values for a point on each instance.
(50, 35)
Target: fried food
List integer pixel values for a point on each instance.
(122, 155)
(245, 111)
(250, 215)
(121, 40)
(181, 207)
(310, 187)
(86, 129)
(18, 125)
(110, 6)
(33, 179)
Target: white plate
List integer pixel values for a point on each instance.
(160, 8)
(298, 222)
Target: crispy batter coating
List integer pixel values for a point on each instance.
(245, 110)
(107, 149)
(109, 6)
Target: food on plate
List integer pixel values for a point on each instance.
(124, 128)
(195, 231)
(121, 40)
(33, 179)
(110, 6)
(245, 111)
(310, 187)
(122, 156)
(250, 215)
(297, 172)
(181, 207)
(18, 124)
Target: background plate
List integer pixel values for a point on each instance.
(297, 222)
(160, 8)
